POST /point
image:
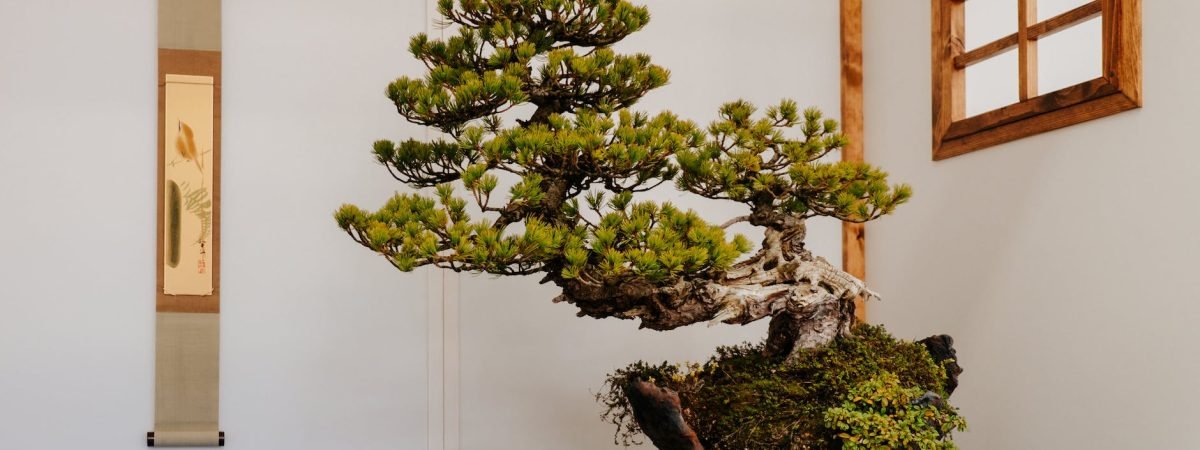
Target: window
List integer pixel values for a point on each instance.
(1117, 89)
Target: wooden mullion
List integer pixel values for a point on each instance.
(986, 51)
(1065, 20)
(1039, 30)
(1026, 50)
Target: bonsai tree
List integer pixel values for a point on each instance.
(530, 91)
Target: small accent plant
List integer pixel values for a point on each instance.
(883, 413)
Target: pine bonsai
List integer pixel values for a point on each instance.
(578, 157)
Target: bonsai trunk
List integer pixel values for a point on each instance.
(810, 303)
(813, 326)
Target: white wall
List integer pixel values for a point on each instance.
(323, 344)
(1063, 264)
(530, 367)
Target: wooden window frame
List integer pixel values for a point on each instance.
(1118, 89)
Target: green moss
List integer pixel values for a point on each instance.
(742, 399)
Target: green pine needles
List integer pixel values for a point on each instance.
(581, 143)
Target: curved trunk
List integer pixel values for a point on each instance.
(813, 326)
(809, 300)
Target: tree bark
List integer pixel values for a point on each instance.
(812, 326)
(810, 301)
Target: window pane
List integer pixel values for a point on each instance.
(1050, 8)
(992, 83)
(1070, 57)
(988, 20)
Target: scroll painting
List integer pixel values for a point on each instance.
(188, 207)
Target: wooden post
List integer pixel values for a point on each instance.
(854, 258)
(1027, 49)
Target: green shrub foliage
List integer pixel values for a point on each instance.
(882, 413)
(854, 393)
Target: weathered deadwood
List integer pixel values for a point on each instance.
(782, 279)
(808, 327)
(941, 348)
(659, 414)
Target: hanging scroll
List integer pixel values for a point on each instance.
(188, 303)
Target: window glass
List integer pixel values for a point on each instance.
(1070, 56)
(988, 20)
(992, 83)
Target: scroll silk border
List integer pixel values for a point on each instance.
(188, 338)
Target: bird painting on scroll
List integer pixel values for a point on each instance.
(188, 182)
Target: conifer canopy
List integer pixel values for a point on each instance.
(581, 158)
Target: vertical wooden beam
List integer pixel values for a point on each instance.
(854, 257)
(1027, 49)
(949, 82)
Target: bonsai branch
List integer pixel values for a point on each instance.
(810, 300)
